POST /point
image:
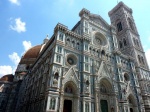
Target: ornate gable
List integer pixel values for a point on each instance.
(99, 20)
(103, 71)
(71, 76)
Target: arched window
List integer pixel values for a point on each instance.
(56, 75)
(61, 36)
(68, 39)
(103, 52)
(120, 44)
(126, 77)
(119, 26)
(78, 45)
(87, 83)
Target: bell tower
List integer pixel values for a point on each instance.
(129, 44)
(127, 35)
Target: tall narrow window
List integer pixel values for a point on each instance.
(78, 45)
(86, 107)
(86, 67)
(59, 49)
(86, 46)
(58, 58)
(61, 36)
(86, 59)
(119, 26)
(52, 104)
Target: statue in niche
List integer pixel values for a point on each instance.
(87, 86)
(68, 41)
(55, 80)
(68, 89)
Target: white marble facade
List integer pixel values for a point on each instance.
(95, 67)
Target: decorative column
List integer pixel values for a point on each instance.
(97, 99)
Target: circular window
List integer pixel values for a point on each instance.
(100, 39)
(71, 59)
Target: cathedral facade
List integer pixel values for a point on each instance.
(95, 67)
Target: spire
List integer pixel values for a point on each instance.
(46, 39)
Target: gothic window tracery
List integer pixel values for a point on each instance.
(58, 58)
(119, 26)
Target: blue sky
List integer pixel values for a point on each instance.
(25, 23)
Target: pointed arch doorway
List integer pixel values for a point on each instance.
(70, 97)
(67, 106)
(106, 96)
(104, 106)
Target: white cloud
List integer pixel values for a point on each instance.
(27, 45)
(19, 26)
(15, 2)
(14, 58)
(148, 56)
(5, 69)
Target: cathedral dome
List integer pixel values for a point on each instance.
(8, 78)
(33, 52)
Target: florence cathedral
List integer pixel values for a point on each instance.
(94, 67)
